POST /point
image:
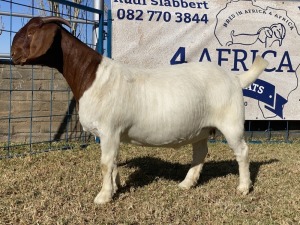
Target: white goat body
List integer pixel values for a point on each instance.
(171, 106)
(163, 107)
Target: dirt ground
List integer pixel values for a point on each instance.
(59, 187)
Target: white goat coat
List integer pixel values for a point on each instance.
(171, 106)
(168, 106)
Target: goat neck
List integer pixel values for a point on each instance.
(79, 64)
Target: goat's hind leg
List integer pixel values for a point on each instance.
(242, 158)
(235, 139)
(199, 153)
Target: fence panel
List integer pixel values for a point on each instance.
(38, 112)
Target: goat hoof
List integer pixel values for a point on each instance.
(243, 189)
(102, 198)
(185, 185)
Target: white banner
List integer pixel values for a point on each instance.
(152, 33)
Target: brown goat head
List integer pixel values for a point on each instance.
(34, 39)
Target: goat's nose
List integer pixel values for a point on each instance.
(12, 54)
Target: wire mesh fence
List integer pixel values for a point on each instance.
(272, 131)
(37, 109)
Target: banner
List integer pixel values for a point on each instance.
(153, 33)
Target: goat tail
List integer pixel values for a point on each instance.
(255, 70)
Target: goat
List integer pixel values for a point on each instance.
(168, 107)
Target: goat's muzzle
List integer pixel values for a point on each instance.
(17, 58)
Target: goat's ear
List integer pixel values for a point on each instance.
(41, 40)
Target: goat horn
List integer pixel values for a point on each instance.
(50, 19)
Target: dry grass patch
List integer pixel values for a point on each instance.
(59, 187)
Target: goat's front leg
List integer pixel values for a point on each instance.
(109, 148)
(116, 179)
(199, 152)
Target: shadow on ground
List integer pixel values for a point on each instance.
(150, 169)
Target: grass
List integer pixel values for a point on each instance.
(59, 187)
